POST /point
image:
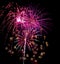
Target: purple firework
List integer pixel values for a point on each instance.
(25, 25)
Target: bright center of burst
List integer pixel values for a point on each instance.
(20, 19)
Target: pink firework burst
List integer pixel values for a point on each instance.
(25, 27)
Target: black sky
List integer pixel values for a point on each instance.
(52, 7)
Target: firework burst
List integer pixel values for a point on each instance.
(25, 31)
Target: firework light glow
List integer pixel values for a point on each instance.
(26, 28)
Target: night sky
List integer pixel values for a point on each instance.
(52, 35)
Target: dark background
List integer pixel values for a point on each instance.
(52, 7)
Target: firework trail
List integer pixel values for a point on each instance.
(25, 26)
